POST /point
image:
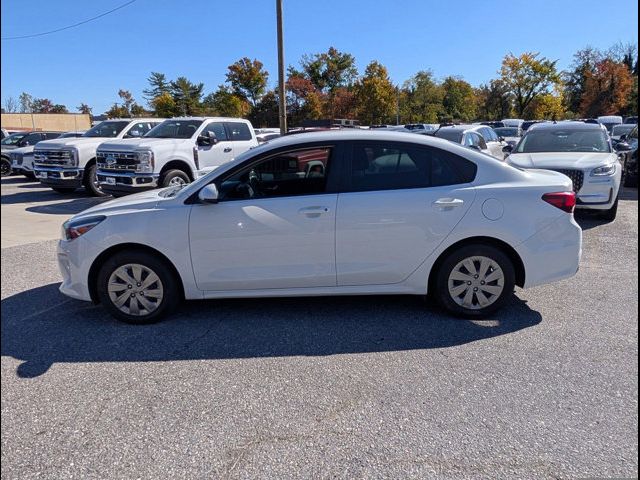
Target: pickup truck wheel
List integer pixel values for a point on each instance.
(91, 183)
(5, 168)
(137, 287)
(174, 177)
(474, 281)
(63, 190)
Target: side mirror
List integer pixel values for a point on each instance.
(134, 134)
(623, 138)
(622, 146)
(207, 139)
(209, 194)
(501, 139)
(507, 148)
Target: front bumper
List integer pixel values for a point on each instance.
(74, 260)
(59, 177)
(111, 182)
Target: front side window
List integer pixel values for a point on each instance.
(32, 139)
(175, 129)
(239, 131)
(218, 129)
(106, 129)
(574, 140)
(13, 139)
(391, 167)
(299, 172)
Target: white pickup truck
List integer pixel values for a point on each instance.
(176, 152)
(70, 163)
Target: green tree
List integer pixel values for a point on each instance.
(584, 62)
(26, 102)
(493, 101)
(458, 99)
(265, 113)
(223, 102)
(527, 77)
(158, 85)
(59, 108)
(248, 79)
(164, 105)
(84, 108)
(303, 99)
(376, 95)
(41, 105)
(421, 99)
(117, 111)
(186, 95)
(330, 70)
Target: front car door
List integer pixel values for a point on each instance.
(398, 203)
(274, 226)
(212, 156)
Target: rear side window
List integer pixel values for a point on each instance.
(239, 131)
(397, 166)
(218, 129)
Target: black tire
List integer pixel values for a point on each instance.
(610, 215)
(90, 182)
(63, 190)
(172, 176)
(172, 292)
(447, 266)
(5, 167)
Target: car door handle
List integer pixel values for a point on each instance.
(313, 212)
(227, 150)
(448, 203)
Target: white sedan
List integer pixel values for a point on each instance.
(331, 213)
(581, 151)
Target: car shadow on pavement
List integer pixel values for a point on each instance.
(41, 327)
(71, 207)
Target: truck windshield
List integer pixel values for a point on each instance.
(537, 141)
(106, 129)
(175, 129)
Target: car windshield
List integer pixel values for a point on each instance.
(452, 135)
(507, 132)
(106, 129)
(175, 129)
(622, 129)
(609, 125)
(573, 140)
(13, 139)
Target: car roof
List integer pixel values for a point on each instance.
(463, 128)
(220, 119)
(568, 126)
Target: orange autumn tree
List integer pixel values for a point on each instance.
(607, 89)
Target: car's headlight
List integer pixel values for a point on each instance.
(72, 229)
(73, 156)
(604, 171)
(145, 161)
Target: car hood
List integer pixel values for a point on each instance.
(561, 159)
(126, 145)
(137, 202)
(57, 144)
(23, 150)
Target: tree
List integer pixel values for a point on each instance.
(223, 102)
(138, 111)
(376, 95)
(10, 105)
(26, 102)
(42, 105)
(186, 95)
(421, 99)
(58, 108)
(117, 111)
(127, 99)
(493, 101)
(84, 108)
(458, 99)
(584, 61)
(303, 99)
(330, 70)
(164, 105)
(158, 85)
(265, 113)
(248, 79)
(607, 89)
(528, 76)
(547, 106)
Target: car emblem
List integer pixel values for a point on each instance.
(111, 160)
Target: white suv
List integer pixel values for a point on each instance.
(70, 163)
(175, 152)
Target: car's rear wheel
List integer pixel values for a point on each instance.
(137, 287)
(474, 281)
(174, 177)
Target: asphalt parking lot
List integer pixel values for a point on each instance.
(361, 387)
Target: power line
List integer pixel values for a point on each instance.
(69, 26)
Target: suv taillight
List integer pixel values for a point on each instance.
(565, 201)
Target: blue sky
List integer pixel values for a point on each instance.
(200, 38)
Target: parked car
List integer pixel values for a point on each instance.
(379, 213)
(22, 158)
(420, 127)
(513, 122)
(68, 164)
(631, 158)
(19, 140)
(632, 120)
(3, 133)
(609, 121)
(621, 130)
(265, 137)
(581, 151)
(478, 137)
(511, 135)
(175, 152)
(493, 124)
(527, 124)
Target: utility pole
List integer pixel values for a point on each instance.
(282, 103)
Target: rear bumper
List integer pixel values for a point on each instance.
(553, 253)
(59, 177)
(125, 183)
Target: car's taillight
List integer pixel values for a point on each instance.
(563, 200)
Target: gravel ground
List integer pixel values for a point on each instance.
(361, 387)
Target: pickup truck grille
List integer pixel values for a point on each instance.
(576, 176)
(49, 158)
(116, 161)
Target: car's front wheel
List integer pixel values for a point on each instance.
(611, 214)
(138, 287)
(474, 281)
(5, 167)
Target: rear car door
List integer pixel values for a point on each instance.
(212, 156)
(398, 202)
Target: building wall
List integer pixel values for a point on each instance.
(58, 122)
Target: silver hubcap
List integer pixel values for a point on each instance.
(135, 289)
(476, 282)
(177, 181)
